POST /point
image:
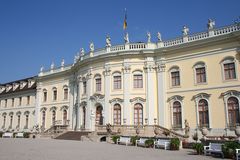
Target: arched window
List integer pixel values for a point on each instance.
(65, 92)
(26, 125)
(200, 73)
(64, 117)
(138, 114)
(53, 117)
(229, 71)
(4, 120)
(84, 117)
(18, 121)
(98, 81)
(11, 121)
(137, 79)
(233, 112)
(99, 117)
(43, 118)
(44, 95)
(175, 76)
(177, 115)
(203, 113)
(54, 93)
(117, 80)
(117, 114)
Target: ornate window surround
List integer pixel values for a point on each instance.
(117, 73)
(137, 72)
(174, 68)
(113, 102)
(226, 95)
(141, 101)
(197, 65)
(226, 60)
(171, 101)
(98, 76)
(197, 98)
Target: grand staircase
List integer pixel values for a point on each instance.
(72, 135)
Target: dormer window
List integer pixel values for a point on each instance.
(15, 86)
(2, 88)
(22, 84)
(8, 87)
(30, 83)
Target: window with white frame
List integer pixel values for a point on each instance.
(175, 76)
(54, 94)
(137, 79)
(84, 86)
(229, 68)
(98, 82)
(44, 95)
(65, 92)
(233, 112)
(117, 114)
(203, 113)
(138, 114)
(20, 101)
(117, 80)
(177, 115)
(200, 73)
(28, 100)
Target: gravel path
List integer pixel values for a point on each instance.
(49, 149)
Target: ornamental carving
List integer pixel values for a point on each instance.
(231, 93)
(64, 108)
(97, 97)
(107, 71)
(138, 100)
(53, 108)
(83, 103)
(43, 109)
(201, 96)
(126, 68)
(116, 100)
(175, 98)
(149, 68)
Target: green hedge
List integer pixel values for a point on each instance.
(114, 139)
(133, 139)
(174, 144)
(229, 149)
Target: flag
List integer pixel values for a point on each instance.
(125, 20)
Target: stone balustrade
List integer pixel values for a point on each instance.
(150, 46)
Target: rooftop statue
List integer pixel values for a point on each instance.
(159, 37)
(62, 63)
(185, 30)
(91, 47)
(82, 52)
(211, 24)
(108, 42)
(52, 65)
(41, 69)
(149, 37)
(126, 38)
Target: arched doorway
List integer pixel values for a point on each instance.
(99, 116)
(64, 117)
(84, 118)
(138, 114)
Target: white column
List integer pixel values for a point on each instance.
(90, 110)
(126, 94)
(38, 106)
(161, 92)
(71, 103)
(150, 87)
(79, 114)
(107, 88)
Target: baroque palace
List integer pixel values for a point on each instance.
(189, 82)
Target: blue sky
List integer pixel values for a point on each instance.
(33, 33)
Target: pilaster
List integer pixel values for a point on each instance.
(38, 105)
(126, 93)
(107, 88)
(150, 87)
(90, 110)
(161, 89)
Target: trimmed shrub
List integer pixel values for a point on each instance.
(198, 147)
(174, 144)
(133, 139)
(149, 143)
(229, 149)
(114, 139)
(26, 135)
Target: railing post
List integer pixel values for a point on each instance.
(127, 47)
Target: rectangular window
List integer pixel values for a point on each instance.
(201, 75)
(44, 96)
(175, 78)
(26, 125)
(98, 84)
(84, 87)
(117, 81)
(55, 95)
(28, 100)
(138, 81)
(229, 71)
(12, 102)
(20, 101)
(65, 94)
(5, 102)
